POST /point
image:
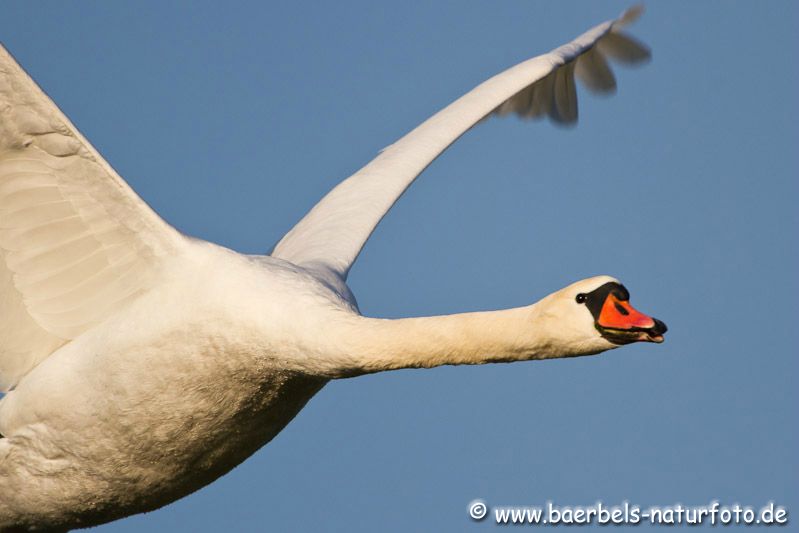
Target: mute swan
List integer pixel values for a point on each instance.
(136, 373)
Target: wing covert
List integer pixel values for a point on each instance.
(76, 243)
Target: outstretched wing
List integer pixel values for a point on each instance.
(330, 237)
(76, 243)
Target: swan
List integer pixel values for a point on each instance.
(139, 364)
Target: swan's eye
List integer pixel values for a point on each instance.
(581, 298)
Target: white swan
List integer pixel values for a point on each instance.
(141, 365)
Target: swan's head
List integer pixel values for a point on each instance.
(594, 315)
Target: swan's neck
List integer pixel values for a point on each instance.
(358, 345)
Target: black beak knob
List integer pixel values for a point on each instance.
(660, 327)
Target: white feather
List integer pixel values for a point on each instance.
(76, 242)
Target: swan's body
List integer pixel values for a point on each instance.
(141, 364)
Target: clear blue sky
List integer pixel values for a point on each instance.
(232, 120)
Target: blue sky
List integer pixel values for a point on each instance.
(232, 120)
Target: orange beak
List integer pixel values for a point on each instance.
(616, 320)
(617, 314)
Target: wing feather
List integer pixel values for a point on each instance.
(564, 109)
(594, 71)
(76, 243)
(330, 237)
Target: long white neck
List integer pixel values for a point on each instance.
(355, 345)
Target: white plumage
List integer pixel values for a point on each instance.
(140, 364)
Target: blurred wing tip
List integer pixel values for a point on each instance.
(639, 52)
(565, 123)
(624, 49)
(629, 16)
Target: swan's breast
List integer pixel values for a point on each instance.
(171, 394)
